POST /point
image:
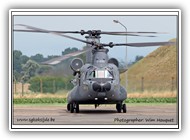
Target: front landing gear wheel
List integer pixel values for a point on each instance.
(77, 108)
(124, 108)
(118, 107)
(71, 108)
(68, 107)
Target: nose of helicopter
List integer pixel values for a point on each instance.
(102, 87)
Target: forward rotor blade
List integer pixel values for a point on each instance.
(145, 44)
(37, 31)
(79, 32)
(34, 29)
(58, 60)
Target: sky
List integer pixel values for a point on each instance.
(48, 44)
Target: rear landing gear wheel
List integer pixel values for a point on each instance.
(120, 107)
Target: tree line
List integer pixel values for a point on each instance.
(25, 68)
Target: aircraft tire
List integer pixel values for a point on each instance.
(68, 107)
(77, 108)
(124, 108)
(118, 107)
(71, 108)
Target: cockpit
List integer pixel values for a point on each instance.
(101, 73)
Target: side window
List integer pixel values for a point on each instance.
(108, 74)
(92, 74)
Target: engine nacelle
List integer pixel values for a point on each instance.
(76, 64)
(113, 61)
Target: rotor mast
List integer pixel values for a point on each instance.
(91, 38)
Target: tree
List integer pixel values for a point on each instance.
(24, 59)
(16, 61)
(137, 58)
(42, 70)
(38, 58)
(69, 50)
(29, 70)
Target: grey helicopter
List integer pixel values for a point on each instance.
(98, 80)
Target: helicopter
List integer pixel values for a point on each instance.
(97, 81)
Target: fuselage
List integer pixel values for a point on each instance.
(96, 86)
(98, 83)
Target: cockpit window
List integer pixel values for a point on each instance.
(100, 74)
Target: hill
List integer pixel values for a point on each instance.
(157, 70)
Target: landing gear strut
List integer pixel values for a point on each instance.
(120, 107)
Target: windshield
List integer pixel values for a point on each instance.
(100, 74)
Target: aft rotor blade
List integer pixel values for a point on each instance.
(58, 60)
(52, 32)
(128, 34)
(144, 44)
(122, 70)
(133, 33)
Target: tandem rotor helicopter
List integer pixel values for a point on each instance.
(98, 81)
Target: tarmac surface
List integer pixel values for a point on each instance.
(105, 114)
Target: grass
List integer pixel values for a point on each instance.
(39, 100)
(49, 101)
(60, 98)
(157, 68)
(64, 104)
(151, 100)
(148, 94)
(63, 94)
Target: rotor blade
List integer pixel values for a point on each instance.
(103, 32)
(78, 32)
(133, 33)
(122, 70)
(143, 44)
(55, 33)
(58, 60)
(128, 34)
(37, 31)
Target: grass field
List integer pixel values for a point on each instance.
(157, 71)
(64, 101)
(146, 97)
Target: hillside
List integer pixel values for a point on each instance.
(157, 68)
